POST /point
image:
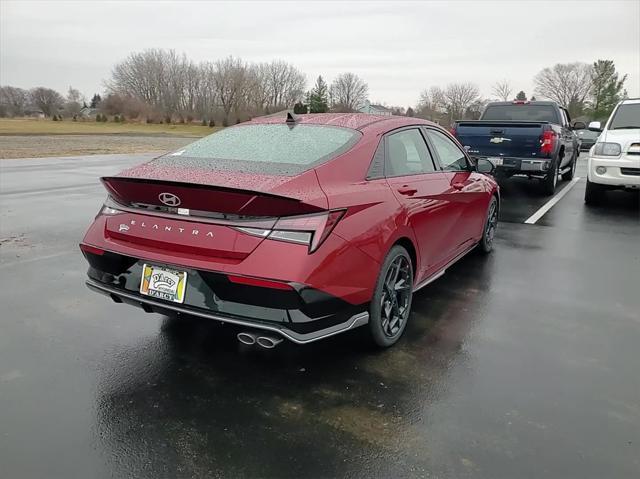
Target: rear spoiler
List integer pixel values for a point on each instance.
(130, 191)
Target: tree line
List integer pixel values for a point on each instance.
(586, 90)
(163, 86)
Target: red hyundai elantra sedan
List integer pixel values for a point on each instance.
(298, 228)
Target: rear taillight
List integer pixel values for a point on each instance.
(109, 208)
(310, 230)
(548, 142)
(452, 130)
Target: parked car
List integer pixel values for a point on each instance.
(614, 161)
(587, 138)
(297, 229)
(531, 138)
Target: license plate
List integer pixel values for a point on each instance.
(495, 160)
(163, 283)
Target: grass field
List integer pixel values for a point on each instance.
(18, 127)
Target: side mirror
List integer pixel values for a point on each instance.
(485, 166)
(578, 125)
(595, 126)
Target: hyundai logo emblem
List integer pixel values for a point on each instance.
(169, 199)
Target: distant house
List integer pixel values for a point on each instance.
(375, 109)
(86, 112)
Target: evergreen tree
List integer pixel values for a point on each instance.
(300, 108)
(521, 96)
(95, 101)
(607, 90)
(410, 112)
(319, 97)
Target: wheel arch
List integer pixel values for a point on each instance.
(407, 244)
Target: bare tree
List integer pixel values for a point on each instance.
(568, 84)
(348, 92)
(432, 104)
(459, 96)
(48, 100)
(13, 101)
(502, 89)
(284, 83)
(74, 102)
(230, 81)
(142, 75)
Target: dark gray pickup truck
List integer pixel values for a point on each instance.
(532, 138)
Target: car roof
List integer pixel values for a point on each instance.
(355, 121)
(630, 101)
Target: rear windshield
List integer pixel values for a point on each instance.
(522, 112)
(627, 116)
(268, 149)
(588, 134)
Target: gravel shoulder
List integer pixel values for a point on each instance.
(37, 146)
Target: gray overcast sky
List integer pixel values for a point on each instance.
(398, 48)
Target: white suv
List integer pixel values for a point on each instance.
(614, 161)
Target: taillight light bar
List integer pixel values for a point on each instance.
(309, 230)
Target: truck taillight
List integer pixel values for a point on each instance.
(452, 130)
(548, 142)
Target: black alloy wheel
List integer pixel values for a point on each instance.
(391, 302)
(490, 226)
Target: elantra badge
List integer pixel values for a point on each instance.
(169, 199)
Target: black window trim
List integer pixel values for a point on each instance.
(455, 142)
(417, 127)
(381, 144)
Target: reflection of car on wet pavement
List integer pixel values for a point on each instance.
(301, 229)
(587, 138)
(530, 138)
(614, 161)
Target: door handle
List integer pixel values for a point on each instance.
(458, 186)
(407, 190)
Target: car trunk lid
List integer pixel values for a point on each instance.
(201, 212)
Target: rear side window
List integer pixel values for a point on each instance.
(269, 149)
(522, 112)
(407, 154)
(451, 157)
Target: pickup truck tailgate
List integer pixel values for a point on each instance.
(501, 138)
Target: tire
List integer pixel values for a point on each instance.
(550, 181)
(491, 223)
(593, 194)
(568, 176)
(388, 317)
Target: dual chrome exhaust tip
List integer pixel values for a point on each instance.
(267, 342)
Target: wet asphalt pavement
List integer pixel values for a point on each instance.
(524, 364)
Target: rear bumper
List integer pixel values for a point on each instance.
(297, 312)
(521, 166)
(620, 173)
(151, 305)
